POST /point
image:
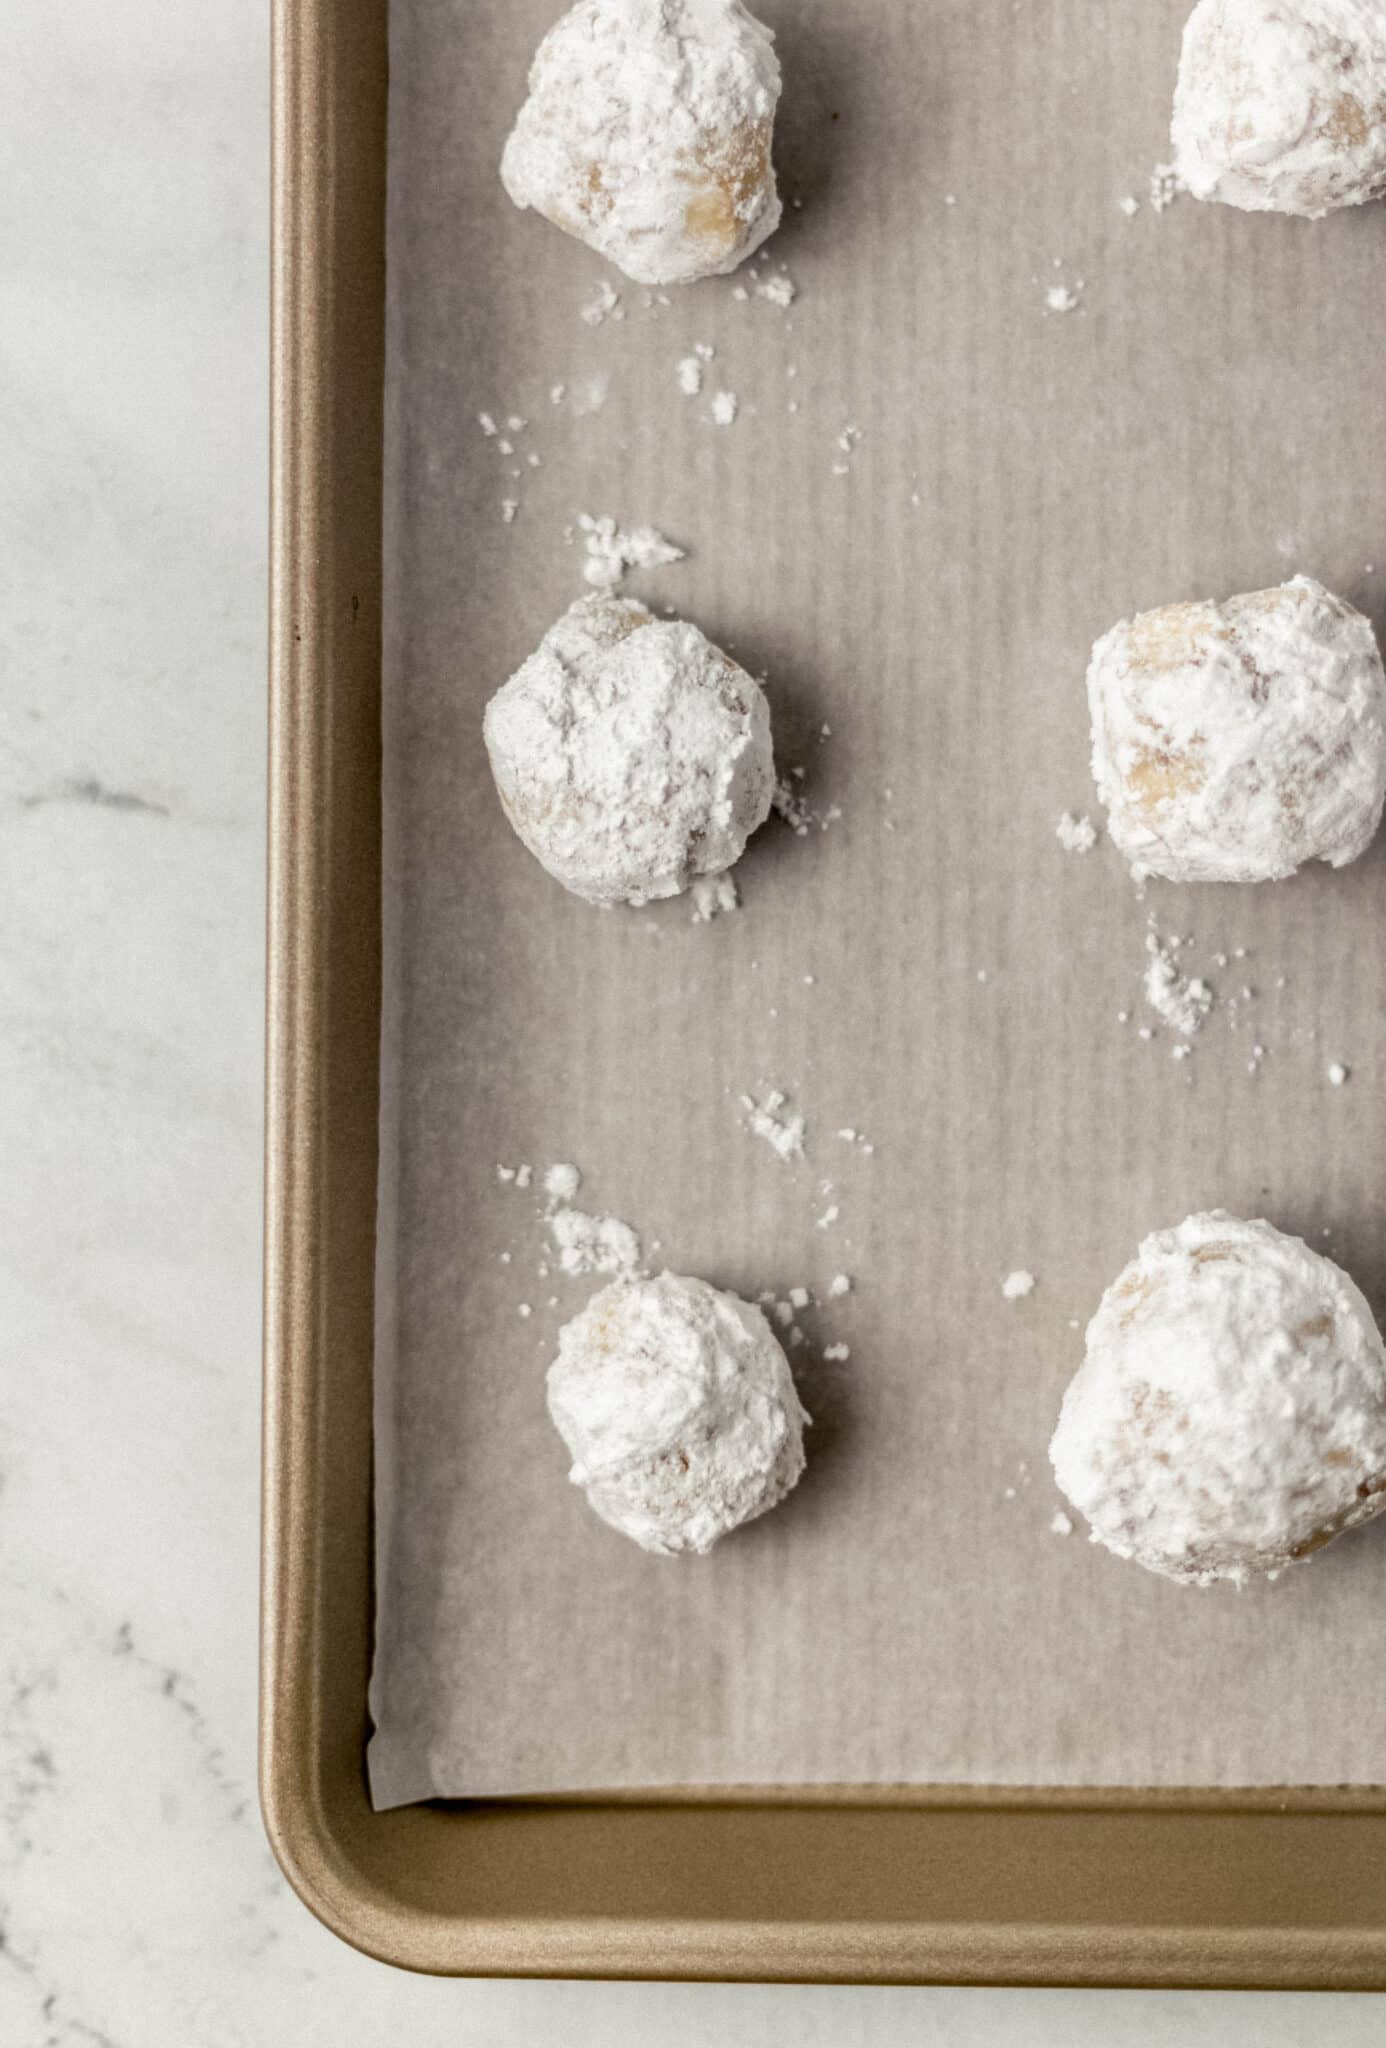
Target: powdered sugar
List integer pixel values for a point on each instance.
(1018, 1284)
(613, 549)
(782, 1128)
(1165, 187)
(713, 896)
(562, 1182)
(605, 304)
(1230, 1416)
(1282, 107)
(1236, 741)
(630, 754)
(594, 1244)
(1075, 835)
(1179, 1000)
(647, 135)
(679, 1410)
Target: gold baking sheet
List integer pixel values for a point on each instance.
(960, 1884)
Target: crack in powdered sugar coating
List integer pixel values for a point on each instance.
(678, 1407)
(1230, 1415)
(1281, 104)
(647, 134)
(631, 755)
(1233, 742)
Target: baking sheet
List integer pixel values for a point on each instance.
(929, 969)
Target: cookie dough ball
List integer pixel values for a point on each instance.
(1230, 1415)
(647, 135)
(679, 1409)
(1281, 104)
(1233, 742)
(631, 755)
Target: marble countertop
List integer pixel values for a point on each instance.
(139, 1904)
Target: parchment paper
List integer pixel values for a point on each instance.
(1209, 419)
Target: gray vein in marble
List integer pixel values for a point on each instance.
(50, 2001)
(176, 1687)
(88, 789)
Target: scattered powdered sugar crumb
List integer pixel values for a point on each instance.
(690, 374)
(1076, 835)
(713, 896)
(605, 306)
(589, 394)
(840, 1284)
(837, 1354)
(509, 508)
(557, 393)
(1130, 205)
(562, 1182)
(724, 408)
(770, 1118)
(1064, 298)
(1166, 185)
(829, 1217)
(1018, 1284)
(594, 1244)
(1338, 1074)
(851, 1136)
(1061, 1524)
(780, 290)
(612, 550)
(1181, 1001)
(790, 804)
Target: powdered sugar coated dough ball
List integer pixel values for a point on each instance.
(679, 1409)
(631, 755)
(1230, 1415)
(647, 135)
(1281, 104)
(1233, 742)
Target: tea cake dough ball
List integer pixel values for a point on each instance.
(647, 135)
(631, 755)
(678, 1407)
(1229, 1417)
(1233, 742)
(1281, 104)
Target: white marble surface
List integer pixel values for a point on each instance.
(139, 1907)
